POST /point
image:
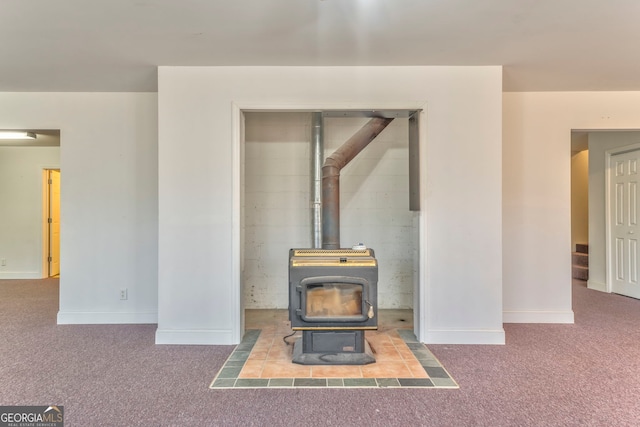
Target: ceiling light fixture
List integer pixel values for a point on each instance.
(16, 135)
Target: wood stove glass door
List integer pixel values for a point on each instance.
(324, 301)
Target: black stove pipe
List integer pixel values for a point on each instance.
(331, 178)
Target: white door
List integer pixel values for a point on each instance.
(625, 230)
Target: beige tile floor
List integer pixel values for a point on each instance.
(271, 356)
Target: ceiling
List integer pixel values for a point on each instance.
(116, 45)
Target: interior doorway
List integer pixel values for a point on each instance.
(601, 148)
(23, 163)
(51, 223)
(580, 205)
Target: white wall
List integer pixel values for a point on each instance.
(374, 203)
(537, 193)
(199, 188)
(108, 162)
(109, 194)
(21, 209)
(599, 143)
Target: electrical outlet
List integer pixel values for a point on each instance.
(3, 262)
(123, 293)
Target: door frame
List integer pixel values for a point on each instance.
(421, 287)
(608, 214)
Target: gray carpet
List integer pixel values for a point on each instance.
(587, 374)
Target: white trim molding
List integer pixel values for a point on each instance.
(465, 336)
(20, 275)
(95, 318)
(237, 110)
(195, 337)
(535, 316)
(597, 286)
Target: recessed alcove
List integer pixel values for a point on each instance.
(276, 204)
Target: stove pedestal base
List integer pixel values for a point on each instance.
(332, 348)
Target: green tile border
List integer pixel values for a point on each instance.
(281, 382)
(227, 377)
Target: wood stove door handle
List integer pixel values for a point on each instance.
(370, 311)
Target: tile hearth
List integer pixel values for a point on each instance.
(263, 358)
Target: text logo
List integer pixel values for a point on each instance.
(32, 416)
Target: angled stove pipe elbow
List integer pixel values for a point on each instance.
(331, 178)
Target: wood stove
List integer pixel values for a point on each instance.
(333, 301)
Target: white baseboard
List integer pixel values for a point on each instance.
(16, 275)
(592, 284)
(194, 337)
(93, 318)
(465, 336)
(537, 316)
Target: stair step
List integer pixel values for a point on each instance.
(582, 248)
(579, 258)
(580, 272)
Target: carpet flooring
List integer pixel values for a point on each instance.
(583, 374)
